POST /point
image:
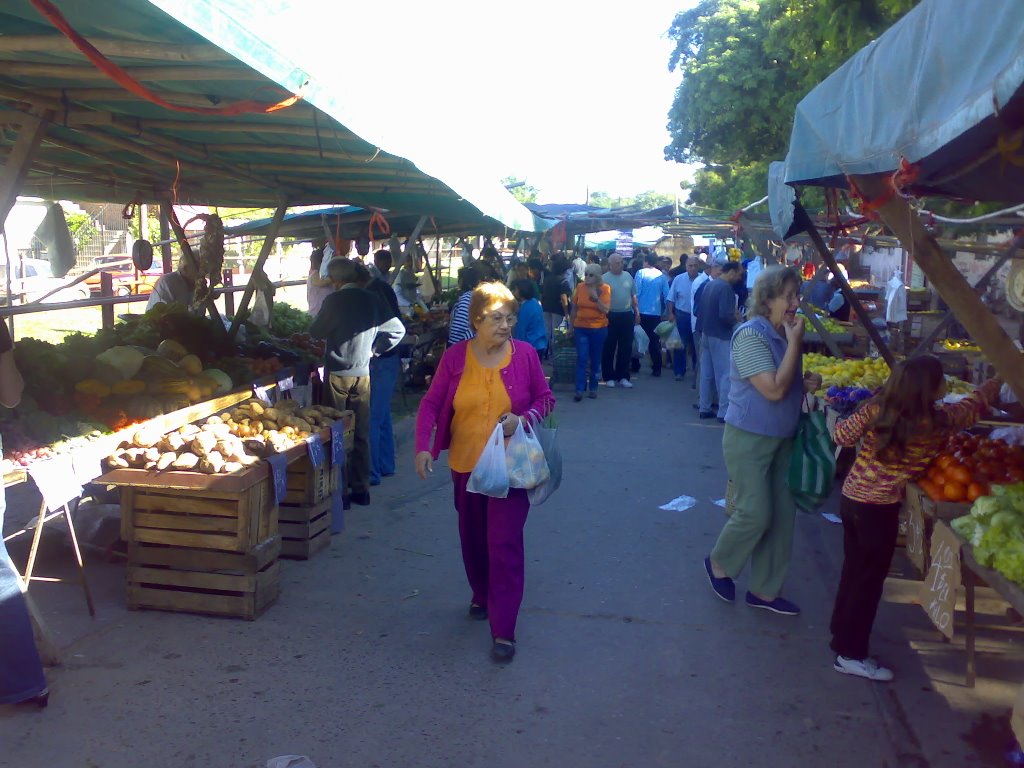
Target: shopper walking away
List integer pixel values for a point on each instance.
(900, 432)
(652, 297)
(21, 672)
(385, 369)
(589, 326)
(554, 296)
(716, 322)
(459, 327)
(488, 380)
(623, 315)
(764, 408)
(530, 326)
(680, 310)
(356, 325)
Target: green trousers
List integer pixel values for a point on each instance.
(761, 527)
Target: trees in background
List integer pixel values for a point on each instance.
(745, 64)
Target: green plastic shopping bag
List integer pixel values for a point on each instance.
(812, 464)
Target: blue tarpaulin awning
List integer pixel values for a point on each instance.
(942, 88)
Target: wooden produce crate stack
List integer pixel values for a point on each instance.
(200, 543)
(304, 516)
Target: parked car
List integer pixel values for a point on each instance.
(127, 281)
(33, 279)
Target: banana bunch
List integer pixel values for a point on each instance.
(959, 345)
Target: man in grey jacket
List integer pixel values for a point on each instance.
(357, 325)
(715, 322)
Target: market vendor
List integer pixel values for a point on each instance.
(175, 287)
(21, 671)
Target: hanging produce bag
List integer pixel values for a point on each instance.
(547, 436)
(674, 340)
(812, 465)
(490, 475)
(640, 341)
(524, 458)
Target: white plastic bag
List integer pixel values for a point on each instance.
(674, 340)
(640, 341)
(547, 436)
(524, 458)
(490, 475)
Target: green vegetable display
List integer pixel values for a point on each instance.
(286, 320)
(995, 529)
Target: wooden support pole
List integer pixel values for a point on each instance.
(165, 236)
(826, 337)
(257, 270)
(12, 175)
(942, 273)
(800, 217)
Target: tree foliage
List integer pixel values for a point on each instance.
(521, 191)
(745, 65)
(647, 200)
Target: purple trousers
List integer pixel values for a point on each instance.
(491, 531)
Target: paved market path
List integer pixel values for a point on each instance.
(625, 657)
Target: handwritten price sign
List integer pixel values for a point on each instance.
(938, 596)
(915, 535)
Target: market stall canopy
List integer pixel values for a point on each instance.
(942, 88)
(351, 221)
(109, 140)
(584, 219)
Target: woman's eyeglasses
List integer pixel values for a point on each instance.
(499, 319)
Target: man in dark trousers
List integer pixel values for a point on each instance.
(357, 326)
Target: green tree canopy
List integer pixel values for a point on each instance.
(745, 65)
(521, 191)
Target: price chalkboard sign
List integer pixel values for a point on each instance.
(941, 585)
(915, 535)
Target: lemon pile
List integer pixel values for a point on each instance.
(868, 373)
(829, 324)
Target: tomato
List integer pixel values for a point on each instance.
(934, 491)
(970, 462)
(944, 461)
(935, 475)
(976, 490)
(954, 491)
(959, 473)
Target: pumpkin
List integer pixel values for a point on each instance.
(128, 387)
(191, 364)
(93, 387)
(171, 349)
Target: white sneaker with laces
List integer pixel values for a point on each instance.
(625, 383)
(867, 668)
(610, 383)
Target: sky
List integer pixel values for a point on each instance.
(564, 94)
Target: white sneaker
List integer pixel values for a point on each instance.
(610, 383)
(625, 383)
(867, 668)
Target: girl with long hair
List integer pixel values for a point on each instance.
(901, 430)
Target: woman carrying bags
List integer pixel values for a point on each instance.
(900, 431)
(589, 324)
(765, 395)
(490, 379)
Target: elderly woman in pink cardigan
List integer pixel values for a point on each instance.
(490, 379)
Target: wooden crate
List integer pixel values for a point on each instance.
(236, 584)
(305, 531)
(203, 518)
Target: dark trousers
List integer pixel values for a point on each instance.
(869, 539)
(352, 393)
(649, 323)
(618, 347)
(679, 356)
